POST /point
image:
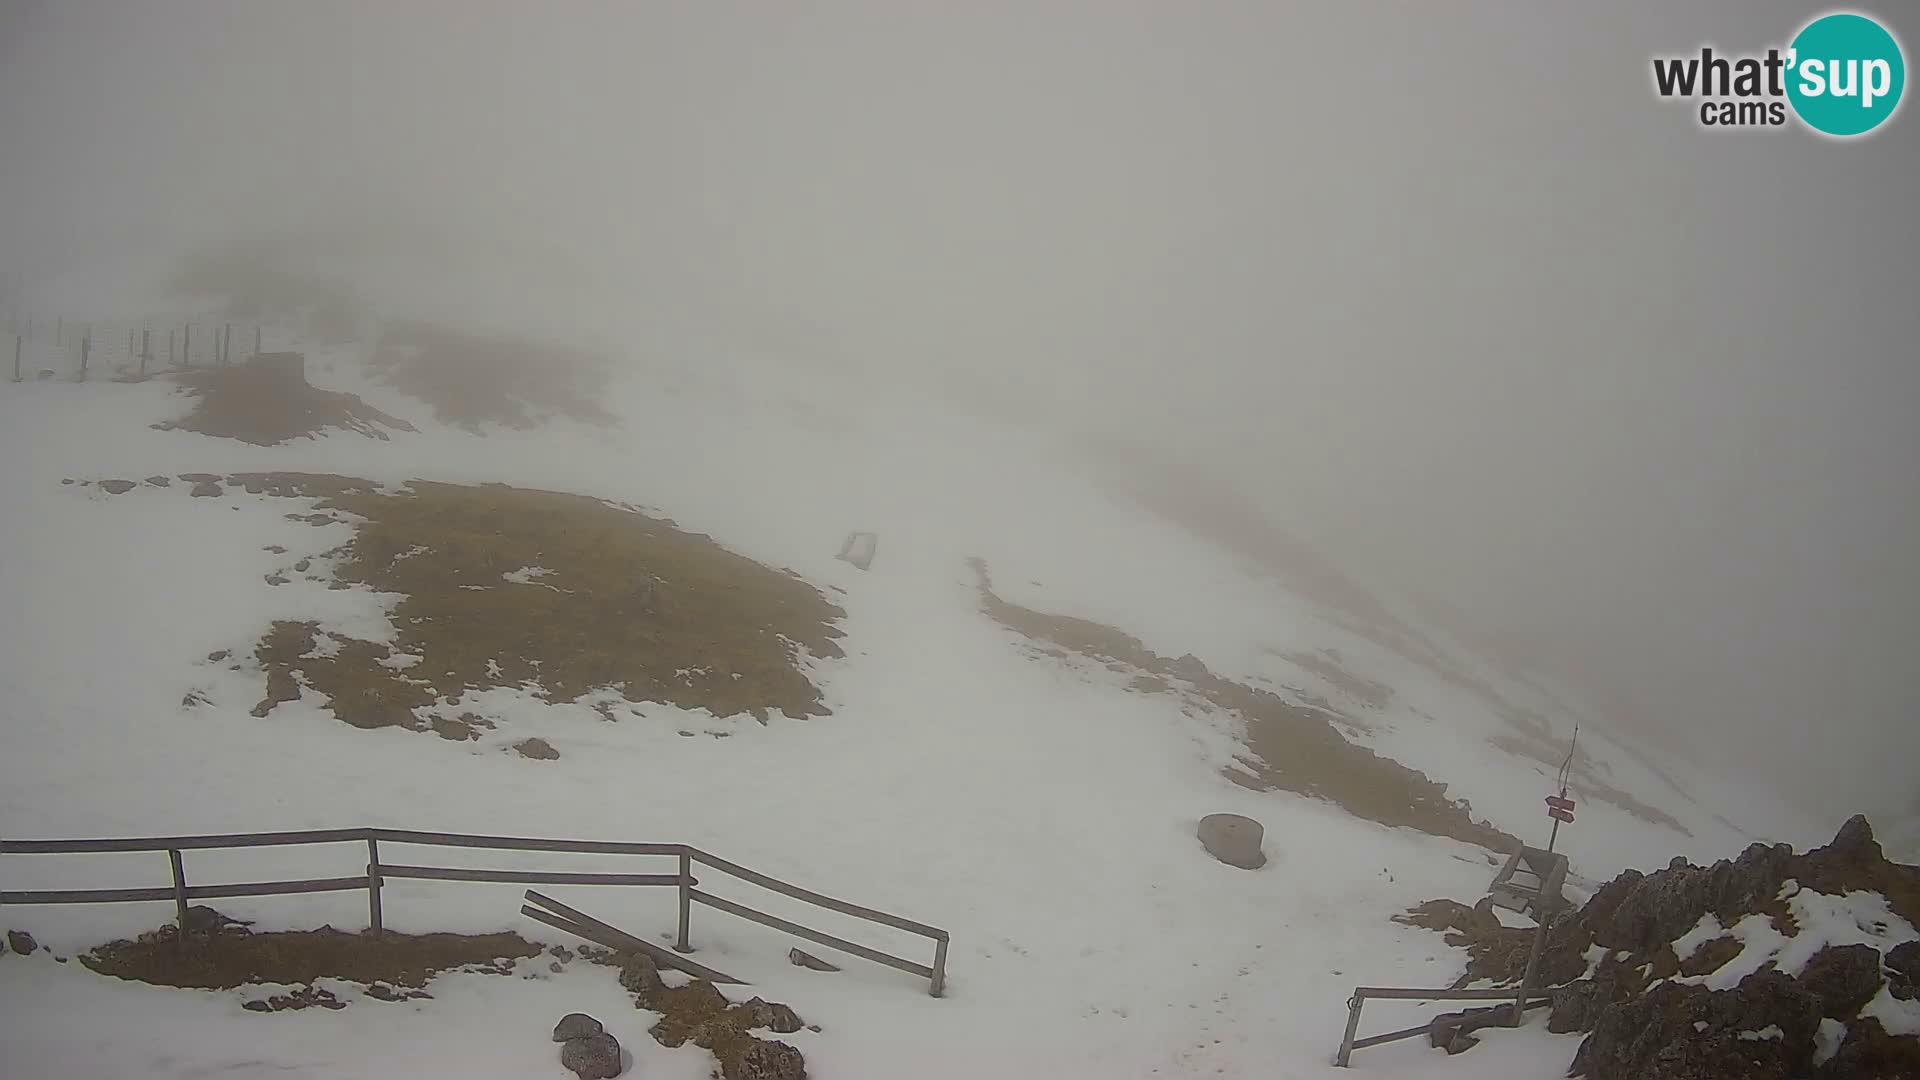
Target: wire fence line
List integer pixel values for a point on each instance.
(78, 350)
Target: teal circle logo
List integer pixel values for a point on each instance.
(1846, 74)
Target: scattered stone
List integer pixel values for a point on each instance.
(21, 942)
(68, 480)
(276, 549)
(276, 579)
(537, 749)
(217, 656)
(205, 488)
(595, 1057)
(256, 1006)
(576, 1026)
(160, 481)
(1234, 840)
(449, 728)
(302, 566)
(116, 487)
(562, 953)
(1843, 978)
(807, 960)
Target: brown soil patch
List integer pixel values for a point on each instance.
(625, 603)
(266, 401)
(472, 381)
(232, 956)
(1289, 747)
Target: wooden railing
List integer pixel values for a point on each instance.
(1348, 1043)
(378, 871)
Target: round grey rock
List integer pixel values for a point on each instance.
(595, 1057)
(1234, 840)
(576, 1026)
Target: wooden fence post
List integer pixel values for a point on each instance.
(226, 345)
(16, 357)
(686, 900)
(179, 893)
(170, 360)
(256, 340)
(374, 882)
(86, 347)
(939, 985)
(146, 349)
(186, 346)
(1345, 1054)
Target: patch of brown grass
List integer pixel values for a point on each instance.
(265, 400)
(471, 381)
(1289, 747)
(629, 604)
(233, 956)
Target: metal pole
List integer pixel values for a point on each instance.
(1345, 1054)
(686, 900)
(146, 349)
(86, 347)
(226, 345)
(179, 893)
(374, 882)
(256, 341)
(186, 346)
(1533, 961)
(170, 360)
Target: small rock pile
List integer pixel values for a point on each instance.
(699, 1013)
(1643, 1003)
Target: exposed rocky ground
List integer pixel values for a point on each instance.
(1772, 966)
(700, 1014)
(266, 400)
(1289, 747)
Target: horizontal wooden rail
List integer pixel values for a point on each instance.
(1361, 994)
(182, 843)
(194, 892)
(523, 877)
(814, 936)
(522, 843)
(562, 917)
(818, 899)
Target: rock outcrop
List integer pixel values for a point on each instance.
(1652, 1011)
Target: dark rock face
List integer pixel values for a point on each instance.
(1903, 970)
(1869, 1053)
(1843, 978)
(576, 1026)
(21, 942)
(772, 1016)
(1762, 1030)
(594, 1057)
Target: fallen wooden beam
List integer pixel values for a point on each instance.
(561, 917)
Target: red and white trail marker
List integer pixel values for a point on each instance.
(1559, 814)
(1559, 803)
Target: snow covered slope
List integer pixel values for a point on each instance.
(1039, 811)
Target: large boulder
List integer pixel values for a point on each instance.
(1234, 840)
(595, 1057)
(576, 1026)
(1903, 970)
(1843, 978)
